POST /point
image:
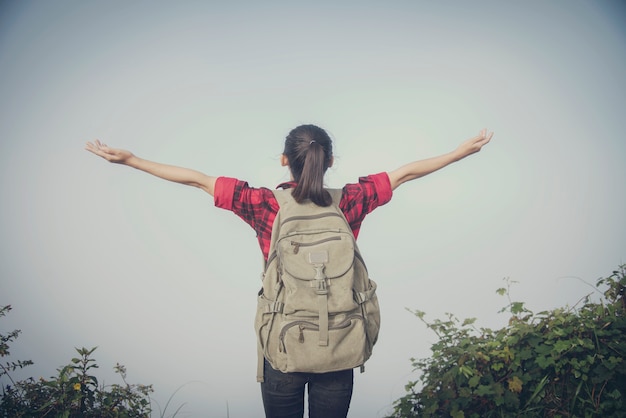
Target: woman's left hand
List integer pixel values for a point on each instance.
(474, 145)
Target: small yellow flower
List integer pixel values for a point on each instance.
(76, 386)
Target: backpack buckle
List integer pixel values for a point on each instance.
(320, 280)
(321, 288)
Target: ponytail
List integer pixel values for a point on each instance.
(308, 149)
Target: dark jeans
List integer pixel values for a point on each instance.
(329, 393)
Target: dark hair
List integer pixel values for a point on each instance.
(309, 150)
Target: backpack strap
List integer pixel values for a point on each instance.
(362, 297)
(336, 195)
(283, 196)
(260, 365)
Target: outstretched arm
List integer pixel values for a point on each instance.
(168, 172)
(421, 168)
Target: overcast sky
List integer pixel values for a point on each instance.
(161, 281)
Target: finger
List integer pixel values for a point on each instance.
(96, 148)
(485, 140)
(91, 147)
(479, 138)
(95, 151)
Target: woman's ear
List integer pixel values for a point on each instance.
(332, 160)
(284, 161)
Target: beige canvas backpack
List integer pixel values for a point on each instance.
(317, 311)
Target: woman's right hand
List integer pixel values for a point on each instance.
(113, 155)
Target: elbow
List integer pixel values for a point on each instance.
(206, 183)
(396, 180)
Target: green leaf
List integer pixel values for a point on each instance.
(484, 390)
(537, 390)
(497, 366)
(562, 345)
(469, 321)
(517, 307)
(466, 371)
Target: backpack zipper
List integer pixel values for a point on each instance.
(297, 244)
(307, 217)
(302, 325)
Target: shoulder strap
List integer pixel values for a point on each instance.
(283, 196)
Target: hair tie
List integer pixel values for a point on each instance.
(311, 142)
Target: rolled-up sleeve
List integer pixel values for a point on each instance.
(361, 198)
(383, 188)
(256, 206)
(224, 192)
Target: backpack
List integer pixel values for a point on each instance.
(317, 311)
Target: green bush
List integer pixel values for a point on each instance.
(74, 392)
(557, 363)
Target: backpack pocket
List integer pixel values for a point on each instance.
(313, 262)
(299, 347)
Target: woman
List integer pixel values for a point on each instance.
(307, 154)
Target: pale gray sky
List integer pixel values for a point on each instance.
(160, 280)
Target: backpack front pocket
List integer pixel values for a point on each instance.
(299, 347)
(314, 262)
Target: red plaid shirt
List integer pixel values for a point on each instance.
(258, 206)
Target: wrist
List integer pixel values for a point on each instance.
(132, 161)
(456, 155)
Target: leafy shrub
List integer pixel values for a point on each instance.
(557, 363)
(74, 392)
